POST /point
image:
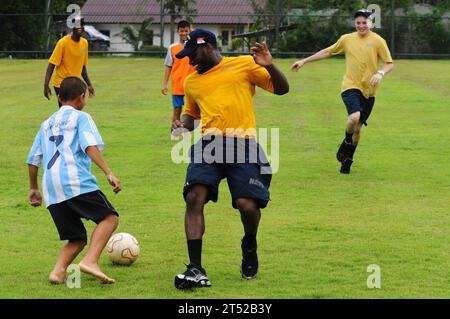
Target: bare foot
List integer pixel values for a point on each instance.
(94, 270)
(57, 277)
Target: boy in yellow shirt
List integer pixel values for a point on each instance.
(179, 69)
(220, 94)
(363, 50)
(70, 57)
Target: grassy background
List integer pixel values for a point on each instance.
(317, 236)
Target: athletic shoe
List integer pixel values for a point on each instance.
(249, 265)
(345, 167)
(193, 277)
(343, 151)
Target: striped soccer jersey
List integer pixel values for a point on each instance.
(60, 147)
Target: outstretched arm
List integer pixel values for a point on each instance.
(322, 54)
(263, 57)
(97, 158)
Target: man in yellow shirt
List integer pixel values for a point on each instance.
(70, 57)
(220, 95)
(363, 49)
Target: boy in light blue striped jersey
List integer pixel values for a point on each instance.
(65, 145)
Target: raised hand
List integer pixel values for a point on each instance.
(261, 54)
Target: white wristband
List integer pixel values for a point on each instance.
(381, 72)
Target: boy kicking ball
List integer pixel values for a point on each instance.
(66, 144)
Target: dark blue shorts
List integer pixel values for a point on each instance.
(241, 161)
(355, 101)
(57, 93)
(177, 101)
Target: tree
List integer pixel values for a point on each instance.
(23, 23)
(270, 14)
(139, 37)
(176, 9)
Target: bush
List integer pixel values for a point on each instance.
(152, 48)
(236, 44)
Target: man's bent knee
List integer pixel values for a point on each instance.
(354, 118)
(196, 196)
(246, 205)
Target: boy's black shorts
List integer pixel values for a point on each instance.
(355, 101)
(67, 215)
(247, 170)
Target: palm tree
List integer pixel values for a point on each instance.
(137, 38)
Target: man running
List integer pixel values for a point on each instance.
(363, 50)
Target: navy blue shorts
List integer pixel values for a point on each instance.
(241, 161)
(57, 93)
(355, 101)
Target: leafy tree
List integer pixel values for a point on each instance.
(177, 9)
(23, 25)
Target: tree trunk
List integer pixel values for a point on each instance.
(172, 29)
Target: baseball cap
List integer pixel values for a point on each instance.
(196, 38)
(363, 13)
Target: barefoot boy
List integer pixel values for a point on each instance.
(65, 145)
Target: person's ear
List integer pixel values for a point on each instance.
(81, 98)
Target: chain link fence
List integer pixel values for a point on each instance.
(33, 35)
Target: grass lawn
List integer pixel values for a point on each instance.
(321, 229)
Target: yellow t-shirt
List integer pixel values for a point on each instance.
(362, 56)
(69, 57)
(222, 97)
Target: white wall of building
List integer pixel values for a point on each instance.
(118, 44)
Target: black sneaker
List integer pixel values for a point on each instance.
(345, 167)
(249, 265)
(343, 151)
(193, 277)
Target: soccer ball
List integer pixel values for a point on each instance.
(122, 249)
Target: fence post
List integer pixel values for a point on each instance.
(47, 26)
(277, 28)
(393, 27)
(161, 29)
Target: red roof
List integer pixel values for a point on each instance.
(136, 11)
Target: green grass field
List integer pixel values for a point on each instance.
(321, 229)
